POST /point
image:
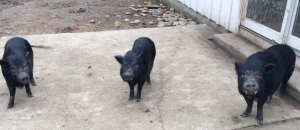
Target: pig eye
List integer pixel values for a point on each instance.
(13, 68)
(259, 75)
(244, 74)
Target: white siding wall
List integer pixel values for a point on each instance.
(224, 12)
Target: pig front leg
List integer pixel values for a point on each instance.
(260, 104)
(12, 92)
(131, 93)
(139, 90)
(248, 110)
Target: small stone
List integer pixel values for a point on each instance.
(127, 13)
(171, 21)
(140, 6)
(132, 5)
(99, 22)
(165, 14)
(168, 24)
(160, 19)
(144, 11)
(175, 23)
(185, 21)
(117, 24)
(143, 14)
(151, 23)
(190, 19)
(137, 21)
(192, 23)
(126, 20)
(135, 15)
(161, 25)
(118, 16)
(172, 9)
(166, 19)
(106, 16)
(168, 12)
(132, 23)
(92, 21)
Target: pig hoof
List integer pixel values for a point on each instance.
(245, 115)
(148, 82)
(280, 94)
(10, 106)
(130, 99)
(33, 83)
(138, 100)
(260, 122)
(30, 95)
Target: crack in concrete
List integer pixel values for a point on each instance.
(161, 98)
(269, 123)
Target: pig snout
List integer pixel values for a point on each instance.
(128, 75)
(251, 87)
(23, 78)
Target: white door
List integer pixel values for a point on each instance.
(293, 37)
(267, 17)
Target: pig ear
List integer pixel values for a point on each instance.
(119, 59)
(3, 62)
(238, 65)
(269, 67)
(27, 55)
(139, 55)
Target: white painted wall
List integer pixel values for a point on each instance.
(226, 13)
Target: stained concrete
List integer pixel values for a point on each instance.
(193, 85)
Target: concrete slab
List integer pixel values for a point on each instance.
(241, 48)
(193, 85)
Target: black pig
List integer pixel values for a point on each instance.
(261, 75)
(17, 66)
(137, 65)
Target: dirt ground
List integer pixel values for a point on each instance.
(27, 17)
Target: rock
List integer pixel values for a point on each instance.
(192, 23)
(160, 19)
(168, 24)
(161, 25)
(168, 12)
(117, 24)
(140, 6)
(143, 14)
(166, 19)
(172, 9)
(80, 10)
(126, 20)
(161, 22)
(137, 21)
(151, 23)
(171, 21)
(99, 22)
(144, 11)
(185, 21)
(165, 14)
(190, 19)
(181, 16)
(132, 5)
(92, 21)
(107, 16)
(135, 15)
(175, 23)
(127, 13)
(132, 23)
(118, 16)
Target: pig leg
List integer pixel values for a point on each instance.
(32, 79)
(28, 91)
(131, 93)
(148, 80)
(282, 89)
(139, 90)
(260, 104)
(12, 92)
(248, 110)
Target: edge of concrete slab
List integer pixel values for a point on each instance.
(240, 49)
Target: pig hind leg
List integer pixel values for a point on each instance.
(31, 72)
(285, 79)
(148, 80)
(28, 91)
